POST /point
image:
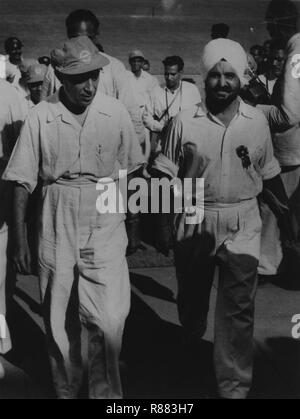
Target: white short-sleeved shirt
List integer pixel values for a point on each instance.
(185, 97)
(200, 146)
(113, 82)
(53, 144)
(11, 119)
(142, 86)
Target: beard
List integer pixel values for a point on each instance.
(217, 103)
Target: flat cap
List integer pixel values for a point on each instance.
(136, 54)
(36, 73)
(78, 56)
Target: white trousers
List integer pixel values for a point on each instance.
(84, 282)
(229, 237)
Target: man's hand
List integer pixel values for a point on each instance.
(275, 196)
(164, 236)
(22, 258)
(133, 233)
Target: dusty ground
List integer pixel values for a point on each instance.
(157, 362)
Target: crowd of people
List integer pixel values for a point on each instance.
(78, 116)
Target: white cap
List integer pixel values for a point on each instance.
(136, 54)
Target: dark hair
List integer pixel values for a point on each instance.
(78, 16)
(11, 43)
(267, 42)
(44, 60)
(174, 60)
(258, 47)
(277, 44)
(219, 30)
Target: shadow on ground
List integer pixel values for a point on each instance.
(148, 286)
(157, 360)
(29, 350)
(277, 369)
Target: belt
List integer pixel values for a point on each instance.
(76, 181)
(82, 180)
(221, 205)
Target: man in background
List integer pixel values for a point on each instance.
(142, 84)
(287, 151)
(44, 59)
(147, 66)
(257, 53)
(219, 30)
(11, 118)
(166, 102)
(274, 65)
(14, 50)
(34, 78)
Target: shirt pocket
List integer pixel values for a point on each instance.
(105, 156)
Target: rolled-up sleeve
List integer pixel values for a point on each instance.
(168, 161)
(23, 166)
(130, 152)
(279, 118)
(268, 164)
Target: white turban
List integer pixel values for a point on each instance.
(230, 51)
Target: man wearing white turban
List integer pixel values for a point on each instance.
(229, 145)
(227, 50)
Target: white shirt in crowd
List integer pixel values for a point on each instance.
(142, 87)
(9, 71)
(155, 117)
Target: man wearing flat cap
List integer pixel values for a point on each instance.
(142, 85)
(72, 141)
(21, 85)
(229, 145)
(142, 82)
(34, 80)
(113, 81)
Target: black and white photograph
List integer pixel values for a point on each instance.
(150, 202)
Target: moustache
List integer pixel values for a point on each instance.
(223, 90)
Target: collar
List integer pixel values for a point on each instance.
(100, 104)
(175, 91)
(142, 76)
(29, 102)
(244, 110)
